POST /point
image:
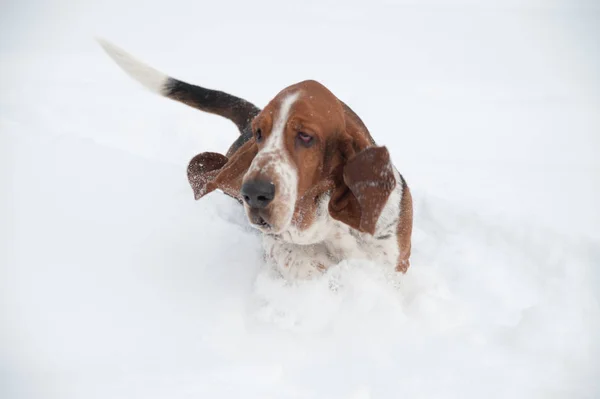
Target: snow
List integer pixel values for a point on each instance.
(117, 284)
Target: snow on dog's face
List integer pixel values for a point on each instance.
(293, 134)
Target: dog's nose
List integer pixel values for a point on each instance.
(258, 193)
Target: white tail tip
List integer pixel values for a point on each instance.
(149, 77)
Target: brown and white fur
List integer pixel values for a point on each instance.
(310, 176)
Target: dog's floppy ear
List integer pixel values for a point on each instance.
(210, 171)
(363, 180)
(362, 188)
(202, 169)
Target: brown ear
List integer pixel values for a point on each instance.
(363, 186)
(202, 169)
(210, 171)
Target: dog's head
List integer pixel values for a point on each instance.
(306, 144)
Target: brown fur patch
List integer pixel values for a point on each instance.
(405, 229)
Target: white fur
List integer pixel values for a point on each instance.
(273, 160)
(149, 77)
(296, 261)
(318, 231)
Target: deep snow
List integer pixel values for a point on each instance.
(118, 285)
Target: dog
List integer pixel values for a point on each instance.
(310, 176)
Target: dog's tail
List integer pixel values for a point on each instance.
(237, 110)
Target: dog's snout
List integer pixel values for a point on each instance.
(258, 193)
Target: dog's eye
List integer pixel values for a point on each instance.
(258, 135)
(305, 139)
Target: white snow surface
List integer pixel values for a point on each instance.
(117, 284)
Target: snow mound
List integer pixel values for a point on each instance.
(122, 286)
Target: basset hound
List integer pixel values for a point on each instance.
(305, 168)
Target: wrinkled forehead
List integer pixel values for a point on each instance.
(306, 102)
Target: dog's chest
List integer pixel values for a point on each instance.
(346, 243)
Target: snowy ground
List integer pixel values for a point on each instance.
(116, 284)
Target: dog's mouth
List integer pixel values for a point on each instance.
(264, 220)
(258, 221)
